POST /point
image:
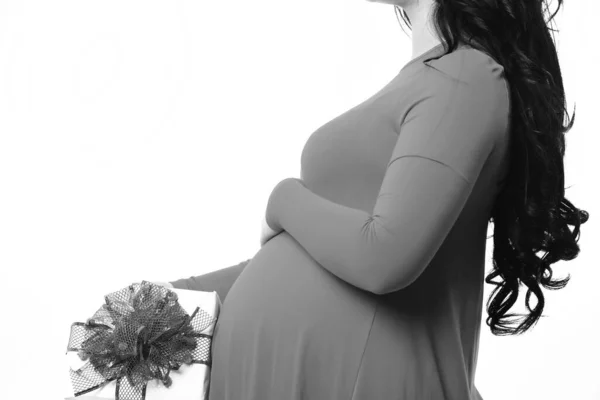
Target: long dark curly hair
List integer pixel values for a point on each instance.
(531, 213)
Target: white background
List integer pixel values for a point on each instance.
(141, 140)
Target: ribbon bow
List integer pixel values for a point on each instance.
(140, 334)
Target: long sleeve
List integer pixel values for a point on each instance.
(444, 139)
(220, 280)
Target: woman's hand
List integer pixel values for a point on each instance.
(165, 284)
(267, 233)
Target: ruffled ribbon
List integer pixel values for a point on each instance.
(140, 334)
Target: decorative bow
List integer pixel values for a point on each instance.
(140, 334)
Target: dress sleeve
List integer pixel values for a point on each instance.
(220, 280)
(444, 140)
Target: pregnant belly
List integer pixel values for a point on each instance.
(287, 321)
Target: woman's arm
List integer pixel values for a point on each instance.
(444, 140)
(220, 280)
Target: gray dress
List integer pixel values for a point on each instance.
(374, 289)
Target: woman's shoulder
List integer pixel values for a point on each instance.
(467, 64)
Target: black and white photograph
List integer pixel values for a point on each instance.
(314, 200)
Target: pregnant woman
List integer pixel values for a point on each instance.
(371, 286)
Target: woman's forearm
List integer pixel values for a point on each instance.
(220, 280)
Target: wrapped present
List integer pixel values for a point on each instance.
(147, 342)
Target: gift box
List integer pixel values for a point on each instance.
(147, 342)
